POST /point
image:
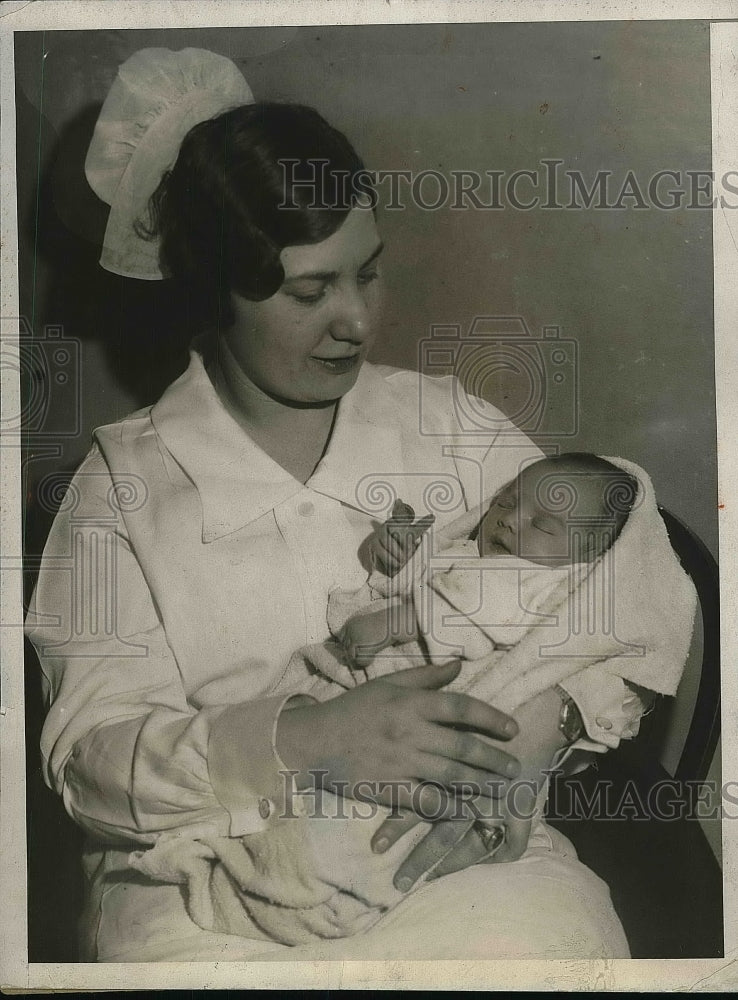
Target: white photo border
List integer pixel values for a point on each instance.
(700, 975)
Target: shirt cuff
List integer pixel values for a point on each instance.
(248, 777)
(611, 710)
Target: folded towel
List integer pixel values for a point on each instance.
(270, 885)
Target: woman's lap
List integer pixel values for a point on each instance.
(547, 905)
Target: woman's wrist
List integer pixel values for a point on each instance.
(293, 741)
(540, 737)
(571, 724)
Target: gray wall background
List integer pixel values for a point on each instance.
(633, 288)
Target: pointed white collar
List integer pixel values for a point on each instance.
(238, 482)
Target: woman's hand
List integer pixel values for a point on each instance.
(452, 845)
(389, 741)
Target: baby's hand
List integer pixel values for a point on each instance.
(396, 540)
(364, 636)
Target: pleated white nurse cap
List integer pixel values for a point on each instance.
(156, 98)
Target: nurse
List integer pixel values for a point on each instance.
(209, 529)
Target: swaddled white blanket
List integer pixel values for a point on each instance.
(630, 613)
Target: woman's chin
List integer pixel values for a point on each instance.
(315, 386)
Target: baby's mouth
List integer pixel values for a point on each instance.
(497, 544)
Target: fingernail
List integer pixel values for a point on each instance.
(511, 727)
(403, 884)
(381, 845)
(512, 770)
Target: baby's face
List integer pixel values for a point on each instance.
(525, 520)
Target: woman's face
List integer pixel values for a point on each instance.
(307, 342)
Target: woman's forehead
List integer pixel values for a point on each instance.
(354, 242)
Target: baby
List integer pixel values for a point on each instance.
(559, 512)
(532, 558)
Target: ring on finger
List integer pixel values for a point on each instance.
(492, 837)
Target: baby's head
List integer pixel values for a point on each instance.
(560, 510)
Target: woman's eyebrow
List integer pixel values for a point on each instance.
(331, 275)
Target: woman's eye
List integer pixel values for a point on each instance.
(506, 503)
(309, 298)
(366, 277)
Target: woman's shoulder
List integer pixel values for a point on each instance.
(400, 382)
(94, 476)
(399, 379)
(440, 404)
(126, 434)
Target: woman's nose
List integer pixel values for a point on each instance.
(507, 521)
(353, 319)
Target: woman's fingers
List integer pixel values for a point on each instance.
(469, 849)
(519, 812)
(394, 827)
(517, 834)
(463, 710)
(427, 800)
(433, 675)
(463, 782)
(440, 839)
(452, 746)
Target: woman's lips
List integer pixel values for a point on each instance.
(338, 366)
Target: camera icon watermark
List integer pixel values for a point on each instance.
(531, 382)
(49, 370)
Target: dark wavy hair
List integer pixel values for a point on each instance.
(245, 185)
